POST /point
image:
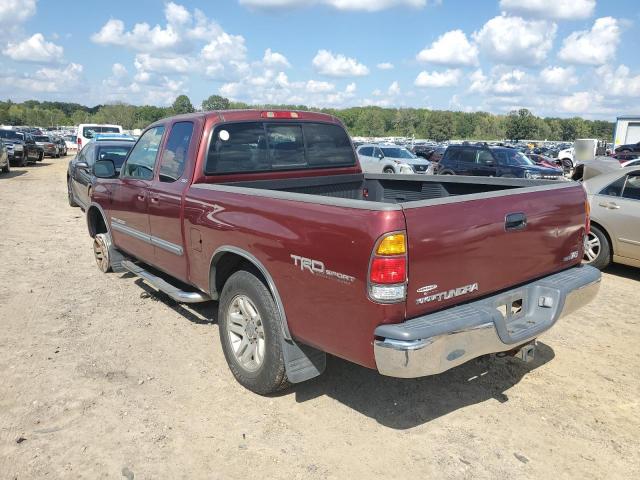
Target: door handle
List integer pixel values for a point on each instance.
(515, 221)
(610, 205)
(141, 197)
(155, 199)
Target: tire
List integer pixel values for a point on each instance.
(24, 161)
(597, 249)
(7, 167)
(70, 197)
(567, 167)
(107, 257)
(446, 172)
(388, 170)
(250, 334)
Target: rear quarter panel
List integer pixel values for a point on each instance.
(332, 315)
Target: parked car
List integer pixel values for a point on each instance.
(487, 161)
(71, 142)
(62, 146)
(544, 161)
(5, 164)
(614, 198)
(80, 174)
(49, 145)
(270, 214)
(390, 159)
(86, 131)
(625, 156)
(21, 147)
(628, 148)
(631, 163)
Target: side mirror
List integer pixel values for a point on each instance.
(380, 156)
(83, 165)
(104, 169)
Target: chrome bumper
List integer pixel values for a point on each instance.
(437, 342)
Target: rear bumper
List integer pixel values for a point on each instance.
(439, 341)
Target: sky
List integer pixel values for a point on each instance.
(556, 57)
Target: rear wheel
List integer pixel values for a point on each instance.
(567, 167)
(597, 250)
(250, 334)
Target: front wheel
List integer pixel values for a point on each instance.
(388, 170)
(107, 257)
(250, 334)
(597, 250)
(567, 167)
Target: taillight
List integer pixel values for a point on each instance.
(587, 210)
(280, 114)
(388, 269)
(79, 143)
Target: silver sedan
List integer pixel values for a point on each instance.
(614, 198)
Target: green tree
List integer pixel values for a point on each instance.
(182, 104)
(215, 102)
(521, 125)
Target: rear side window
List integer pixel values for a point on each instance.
(175, 152)
(262, 147)
(366, 151)
(632, 187)
(468, 155)
(89, 132)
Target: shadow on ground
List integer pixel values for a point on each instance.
(405, 403)
(12, 174)
(624, 271)
(393, 402)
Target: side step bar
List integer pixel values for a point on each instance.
(174, 292)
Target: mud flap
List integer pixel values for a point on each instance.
(302, 362)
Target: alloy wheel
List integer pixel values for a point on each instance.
(246, 333)
(592, 248)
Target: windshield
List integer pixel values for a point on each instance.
(397, 152)
(10, 134)
(89, 132)
(513, 158)
(41, 138)
(116, 154)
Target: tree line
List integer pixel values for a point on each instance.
(367, 121)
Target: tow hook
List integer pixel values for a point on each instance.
(527, 353)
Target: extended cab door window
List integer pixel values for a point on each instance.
(175, 151)
(142, 159)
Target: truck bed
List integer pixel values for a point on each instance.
(391, 189)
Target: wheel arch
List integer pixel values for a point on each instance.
(227, 260)
(97, 220)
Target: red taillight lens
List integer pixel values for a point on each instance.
(388, 270)
(280, 114)
(79, 143)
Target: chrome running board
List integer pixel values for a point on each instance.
(174, 292)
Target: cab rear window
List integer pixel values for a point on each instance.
(270, 146)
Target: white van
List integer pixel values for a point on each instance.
(86, 131)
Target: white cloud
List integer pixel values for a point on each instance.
(16, 11)
(385, 66)
(559, 77)
(177, 14)
(351, 88)
(144, 87)
(448, 78)
(275, 59)
(452, 49)
(516, 41)
(224, 57)
(364, 5)
(34, 49)
(45, 80)
(556, 9)
(147, 63)
(326, 63)
(592, 47)
(394, 89)
(618, 82)
(314, 86)
(501, 82)
(581, 102)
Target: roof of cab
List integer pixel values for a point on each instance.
(254, 115)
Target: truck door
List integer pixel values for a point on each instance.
(129, 212)
(165, 200)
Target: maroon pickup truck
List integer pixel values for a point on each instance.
(270, 214)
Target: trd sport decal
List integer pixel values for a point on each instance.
(317, 267)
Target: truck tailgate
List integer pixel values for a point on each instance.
(460, 249)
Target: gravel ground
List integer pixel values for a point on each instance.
(100, 377)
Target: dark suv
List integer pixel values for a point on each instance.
(485, 161)
(629, 148)
(21, 147)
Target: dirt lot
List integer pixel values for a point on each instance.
(102, 378)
